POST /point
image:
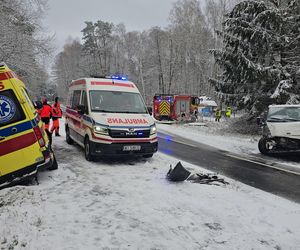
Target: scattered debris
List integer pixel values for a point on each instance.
(206, 179)
(179, 173)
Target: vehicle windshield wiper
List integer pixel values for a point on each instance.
(132, 112)
(293, 119)
(111, 111)
(103, 110)
(275, 119)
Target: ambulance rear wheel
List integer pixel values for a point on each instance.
(68, 137)
(87, 150)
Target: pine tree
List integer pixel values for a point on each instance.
(23, 46)
(97, 41)
(260, 55)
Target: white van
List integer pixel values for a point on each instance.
(280, 129)
(108, 116)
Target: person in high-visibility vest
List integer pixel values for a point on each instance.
(56, 115)
(46, 114)
(218, 114)
(228, 112)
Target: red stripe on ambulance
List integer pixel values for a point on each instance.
(129, 85)
(78, 82)
(7, 75)
(17, 143)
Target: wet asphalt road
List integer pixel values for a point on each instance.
(252, 173)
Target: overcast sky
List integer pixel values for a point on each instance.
(66, 17)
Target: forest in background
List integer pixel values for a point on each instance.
(175, 59)
(243, 53)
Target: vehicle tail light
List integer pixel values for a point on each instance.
(39, 135)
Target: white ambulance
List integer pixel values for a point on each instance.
(108, 117)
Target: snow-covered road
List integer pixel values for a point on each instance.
(129, 204)
(214, 134)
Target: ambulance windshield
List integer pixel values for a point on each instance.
(116, 102)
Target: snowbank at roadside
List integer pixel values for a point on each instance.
(214, 134)
(211, 133)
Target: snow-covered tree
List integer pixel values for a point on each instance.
(97, 43)
(70, 64)
(192, 38)
(259, 58)
(23, 43)
(166, 60)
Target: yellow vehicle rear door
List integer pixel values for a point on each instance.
(17, 138)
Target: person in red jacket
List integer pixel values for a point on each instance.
(56, 115)
(46, 114)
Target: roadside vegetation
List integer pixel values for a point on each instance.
(25, 46)
(244, 54)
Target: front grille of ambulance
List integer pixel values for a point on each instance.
(114, 133)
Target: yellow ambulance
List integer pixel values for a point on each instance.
(24, 145)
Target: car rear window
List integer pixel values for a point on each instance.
(10, 109)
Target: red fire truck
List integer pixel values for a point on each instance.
(172, 107)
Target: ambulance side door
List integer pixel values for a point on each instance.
(68, 108)
(83, 102)
(74, 120)
(14, 132)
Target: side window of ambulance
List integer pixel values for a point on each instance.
(10, 108)
(25, 93)
(84, 101)
(76, 99)
(69, 100)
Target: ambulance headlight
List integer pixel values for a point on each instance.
(153, 129)
(101, 130)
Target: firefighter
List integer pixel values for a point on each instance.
(218, 115)
(56, 115)
(46, 114)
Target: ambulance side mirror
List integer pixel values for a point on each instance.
(149, 110)
(81, 109)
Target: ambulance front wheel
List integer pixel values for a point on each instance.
(87, 150)
(68, 137)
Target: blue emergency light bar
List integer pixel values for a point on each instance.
(169, 99)
(119, 77)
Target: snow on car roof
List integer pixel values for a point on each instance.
(285, 106)
(209, 103)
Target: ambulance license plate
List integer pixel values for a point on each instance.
(132, 148)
